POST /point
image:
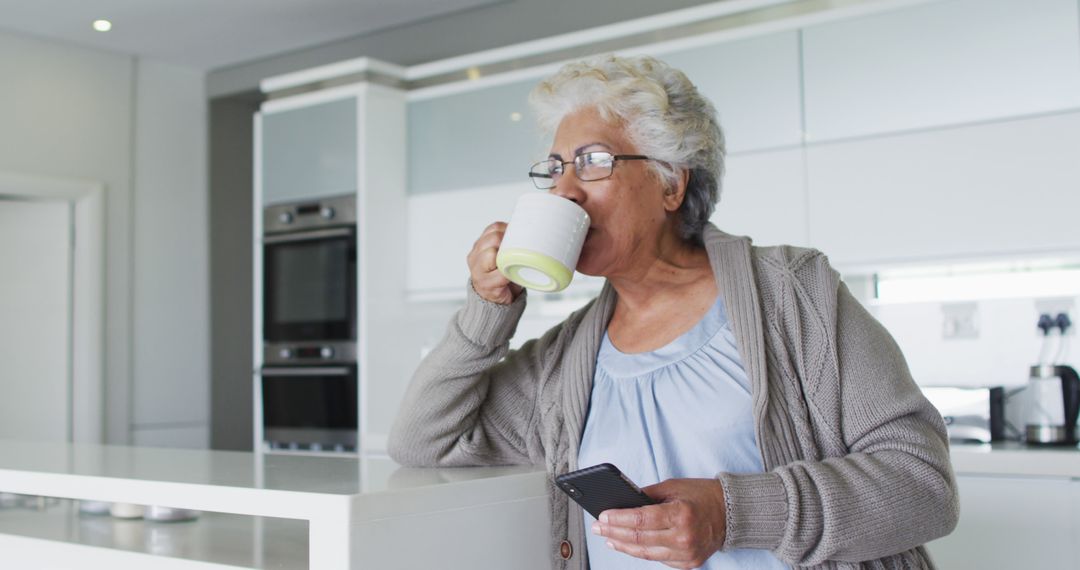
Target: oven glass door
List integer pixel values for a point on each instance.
(310, 408)
(310, 286)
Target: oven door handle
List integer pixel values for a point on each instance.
(307, 371)
(307, 236)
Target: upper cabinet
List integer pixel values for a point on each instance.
(754, 84)
(754, 185)
(309, 151)
(472, 139)
(1005, 188)
(943, 63)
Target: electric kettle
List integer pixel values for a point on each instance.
(1052, 405)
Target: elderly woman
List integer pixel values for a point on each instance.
(774, 419)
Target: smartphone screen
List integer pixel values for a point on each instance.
(602, 487)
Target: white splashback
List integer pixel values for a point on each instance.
(1008, 342)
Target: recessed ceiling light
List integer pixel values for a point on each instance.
(102, 25)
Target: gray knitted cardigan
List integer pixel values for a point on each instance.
(857, 471)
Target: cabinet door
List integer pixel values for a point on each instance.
(1075, 502)
(477, 138)
(764, 198)
(442, 229)
(1008, 523)
(1000, 188)
(309, 152)
(941, 63)
(754, 85)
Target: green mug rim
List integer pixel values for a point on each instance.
(511, 261)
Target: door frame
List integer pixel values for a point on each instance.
(87, 370)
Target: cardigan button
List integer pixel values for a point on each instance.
(566, 550)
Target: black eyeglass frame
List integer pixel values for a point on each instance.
(537, 177)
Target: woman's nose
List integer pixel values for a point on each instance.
(568, 186)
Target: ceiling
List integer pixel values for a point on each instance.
(209, 34)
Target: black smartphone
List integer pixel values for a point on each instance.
(602, 487)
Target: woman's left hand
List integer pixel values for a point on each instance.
(683, 531)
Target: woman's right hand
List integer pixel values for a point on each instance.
(487, 280)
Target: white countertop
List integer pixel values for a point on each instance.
(335, 495)
(290, 486)
(1012, 458)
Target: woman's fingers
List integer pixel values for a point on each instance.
(651, 517)
(682, 532)
(645, 552)
(669, 545)
(490, 239)
(487, 280)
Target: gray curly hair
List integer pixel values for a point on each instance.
(665, 117)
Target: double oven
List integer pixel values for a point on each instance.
(308, 381)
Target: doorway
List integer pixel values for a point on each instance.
(35, 319)
(51, 309)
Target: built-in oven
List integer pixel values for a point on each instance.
(310, 408)
(309, 282)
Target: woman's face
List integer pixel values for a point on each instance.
(628, 210)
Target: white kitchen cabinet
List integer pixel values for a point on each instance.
(1003, 188)
(1074, 506)
(941, 63)
(442, 229)
(763, 197)
(754, 84)
(1012, 522)
(374, 116)
(309, 151)
(473, 139)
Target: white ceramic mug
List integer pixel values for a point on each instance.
(542, 242)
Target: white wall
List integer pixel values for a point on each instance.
(74, 113)
(171, 364)
(1007, 343)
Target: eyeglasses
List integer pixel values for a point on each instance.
(588, 166)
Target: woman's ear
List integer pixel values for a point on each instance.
(673, 196)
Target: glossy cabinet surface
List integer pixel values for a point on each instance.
(754, 84)
(1012, 522)
(940, 63)
(993, 189)
(763, 197)
(309, 152)
(473, 139)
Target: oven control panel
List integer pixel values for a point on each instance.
(315, 352)
(327, 212)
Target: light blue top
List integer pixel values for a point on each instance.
(679, 411)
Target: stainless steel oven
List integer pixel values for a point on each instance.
(309, 282)
(310, 408)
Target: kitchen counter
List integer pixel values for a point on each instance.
(1019, 508)
(266, 511)
(1012, 458)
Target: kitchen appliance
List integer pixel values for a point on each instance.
(1053, 391)
(308, 392)
(310, 408)
(1053, 401)
(309, 282)
(971, 414)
